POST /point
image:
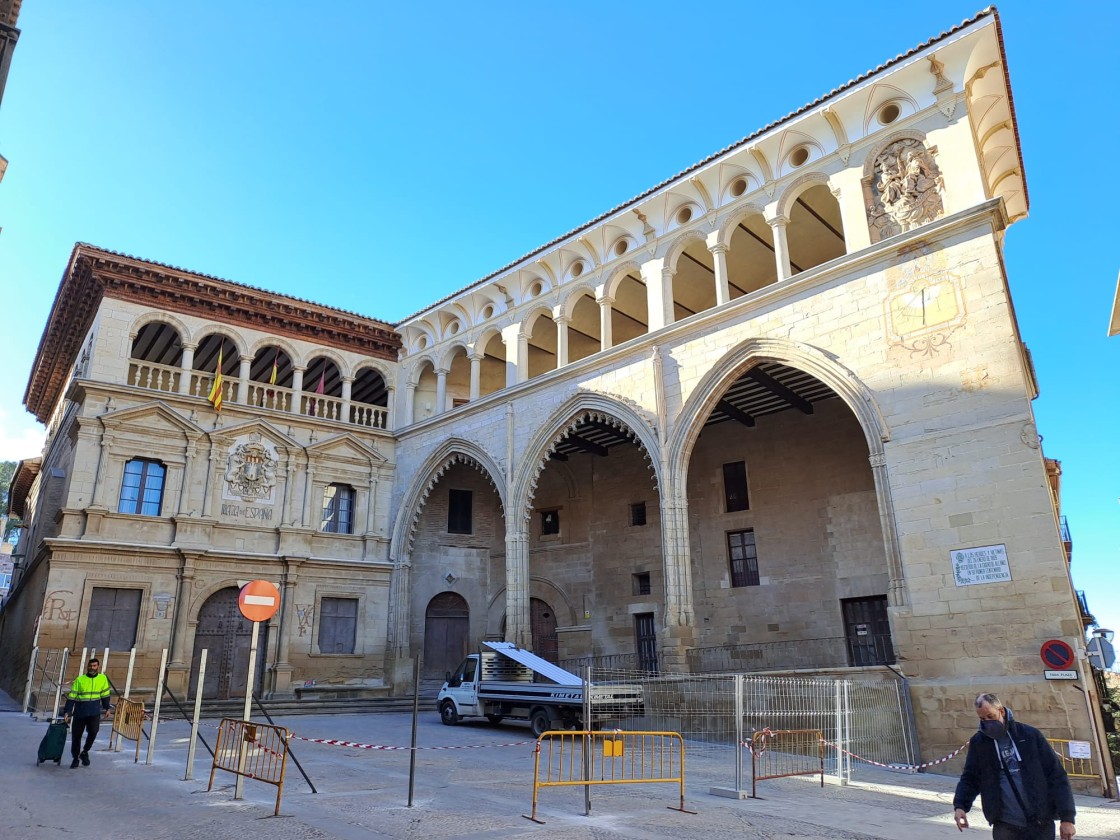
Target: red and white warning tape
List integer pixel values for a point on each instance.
(334, 742)
(901, 768)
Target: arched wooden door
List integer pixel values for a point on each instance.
(542, 624)
(227, 634)
(446, 631)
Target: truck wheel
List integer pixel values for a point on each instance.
(447, 713)
(540, 723)
(495, 719)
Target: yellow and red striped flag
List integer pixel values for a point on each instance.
(215, 396)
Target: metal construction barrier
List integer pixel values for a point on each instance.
(785, 752)
(1076, 756)
(578, 758)
(128, 722)
(253, 750)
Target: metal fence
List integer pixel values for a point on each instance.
(717, 715)
(51, 672)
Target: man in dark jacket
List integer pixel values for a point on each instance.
(87, 700)
(1021, 782)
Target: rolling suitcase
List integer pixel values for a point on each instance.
(53, 744)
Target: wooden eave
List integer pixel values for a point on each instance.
(93, 274)
(22, 479)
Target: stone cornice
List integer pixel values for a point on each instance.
(93, 274)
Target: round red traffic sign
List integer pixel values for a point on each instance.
(1056, 654)
(259, 600)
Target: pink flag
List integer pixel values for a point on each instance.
(319, 387)
(318, 390)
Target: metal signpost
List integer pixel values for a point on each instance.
(258, 601)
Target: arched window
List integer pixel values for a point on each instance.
(142, 487)
(338, 509)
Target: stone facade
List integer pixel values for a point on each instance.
(758, 412)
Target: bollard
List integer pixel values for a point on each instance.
(155, 710)
(197, 711)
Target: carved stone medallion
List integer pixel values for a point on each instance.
(252, 470)
(906, 189)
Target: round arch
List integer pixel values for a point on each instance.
(741, 214)
(678, 245)
(208, 330)
(449, 352)
(618, 274)
(796, 187)
(275, 341)
(333, 357)
(574, 295)
(158, 318)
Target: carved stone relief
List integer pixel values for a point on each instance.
(905, 189)
(251, 473)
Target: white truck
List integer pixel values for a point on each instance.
(502, 682)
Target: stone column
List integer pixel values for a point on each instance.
(187, 369)
(243, 380)
(297, 389)
(518, 629)
(308, 495)
(99, 477)
(282, 670)
(390, 408)
(896, 587)
(659, 293)
(606, 338)
(212, 481)
(182, 613)
(561, 339)
(409, 403)
(476, 376)
(781, 247)
(347, 390)
(441, 391)
(289, 511)
(185, 489)
(719, 255)
(517, 354)
(680, 616)
(371, 508)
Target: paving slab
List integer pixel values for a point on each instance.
(472, 781)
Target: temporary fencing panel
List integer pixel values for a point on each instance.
(1076, 756)
(578, 758)
(786, 752)
(128, 722)
(254, 751)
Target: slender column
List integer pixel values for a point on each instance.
(679, 609)
(390, 407)
(518, 629)
(289, 511)
(371, 507)
(347, 390)
(182, 608)
(606, 340)
(409, 403)
(211, 482)
(476, 376)
(659, 293)
(441, 391)
(400, 602)
(185, 489)
(297, 388)
(561, 340)
(896, 585)
(719, 256)
(187, 369)
(243, 380)
(781, 247)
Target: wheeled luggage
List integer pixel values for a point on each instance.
(53, 744)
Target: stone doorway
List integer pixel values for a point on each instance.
(446, 633)
(227, 634)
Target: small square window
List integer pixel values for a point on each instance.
(638, 513)
(550, 522)
(641, 583)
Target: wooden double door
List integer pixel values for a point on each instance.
(227, 635)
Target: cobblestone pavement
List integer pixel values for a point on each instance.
(460, 791)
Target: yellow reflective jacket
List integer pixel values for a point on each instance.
(88, 696)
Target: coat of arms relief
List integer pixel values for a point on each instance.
(904, 189)
(252, 471)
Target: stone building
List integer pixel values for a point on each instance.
(773, 413)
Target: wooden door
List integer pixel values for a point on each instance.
(645, 638)
(542, 621)
(446, 631)
(227, 634)
(868, 631)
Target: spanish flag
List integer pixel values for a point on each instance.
(216, 389)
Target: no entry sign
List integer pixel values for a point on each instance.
(259, 600)
(1056, 654)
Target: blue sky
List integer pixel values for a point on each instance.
(377, 157)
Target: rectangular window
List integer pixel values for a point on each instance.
(459, 512)
(113, 617)
(743, 556)
(735, 486)
(641, 583)
(550, 522)
(638, 513)
(338, 509)
(142, 487)
(338, 625)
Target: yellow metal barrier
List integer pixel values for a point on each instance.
(128, 722)
(607, 758)
(1076, 766)
(786, 752)
(254, 750)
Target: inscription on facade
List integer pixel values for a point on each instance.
(987, 564)
(260, 514)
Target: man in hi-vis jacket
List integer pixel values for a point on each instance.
(87, 700)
